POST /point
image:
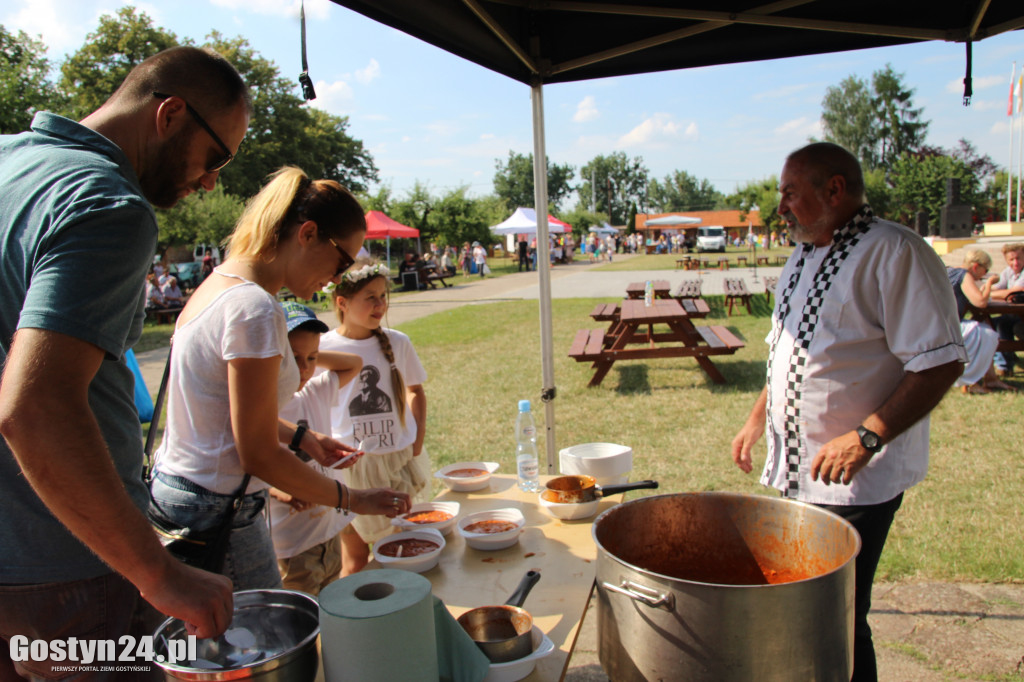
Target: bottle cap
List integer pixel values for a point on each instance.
(524, 405)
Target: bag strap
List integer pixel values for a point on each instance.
(154, 424)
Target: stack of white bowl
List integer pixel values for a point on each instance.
(607, 462)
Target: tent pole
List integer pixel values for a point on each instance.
(540, 207)
(389, 253)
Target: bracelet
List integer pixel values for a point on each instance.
(300, 430)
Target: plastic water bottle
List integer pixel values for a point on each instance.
(527, 467)
(649, 293)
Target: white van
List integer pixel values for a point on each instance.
(711, 238)
(200, 251)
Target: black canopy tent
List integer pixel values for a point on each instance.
(554, 41)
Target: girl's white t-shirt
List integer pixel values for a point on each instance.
(243, 321)
(367, 409)
(293, 532)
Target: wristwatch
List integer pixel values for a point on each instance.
(296, 445)
(871, 441)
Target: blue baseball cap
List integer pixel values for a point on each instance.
(297, 315)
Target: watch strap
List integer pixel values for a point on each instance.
(300, 430)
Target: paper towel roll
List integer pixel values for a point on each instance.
(378, 625)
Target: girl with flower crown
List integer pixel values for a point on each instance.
(384, 410)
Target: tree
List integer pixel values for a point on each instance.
(681, 191)
(762, 195)
(282, 131)
(121, 42)
(513, 181)
(581, 219)
(200, 218)
(919, 184)
(875, 124)
(848, 118)
(456, 218)
(25, 86)
(618, 180)
(900, 127)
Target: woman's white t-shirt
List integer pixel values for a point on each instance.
(243, 321)
(367, 409)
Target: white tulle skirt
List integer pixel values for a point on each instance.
(398, 470)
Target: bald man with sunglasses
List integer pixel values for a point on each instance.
(77, 234)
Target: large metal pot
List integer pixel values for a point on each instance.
(684, 589)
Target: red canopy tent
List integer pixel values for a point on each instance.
(379, 226)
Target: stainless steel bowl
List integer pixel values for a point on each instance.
(285, 624)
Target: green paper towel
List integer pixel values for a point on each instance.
(459, 659)
(378, 625)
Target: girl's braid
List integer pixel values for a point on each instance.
(397, 383)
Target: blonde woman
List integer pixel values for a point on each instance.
(980, 340)
(232, 368)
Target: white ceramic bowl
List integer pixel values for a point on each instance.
(511, 671)
(492, 541)
(466, 484)
(445, 527)
(607, 462)
(418, 563)
(569, 512)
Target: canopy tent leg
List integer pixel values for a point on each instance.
(540, 204)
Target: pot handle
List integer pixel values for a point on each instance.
(646, 595)
(615, 488)
(525, 585)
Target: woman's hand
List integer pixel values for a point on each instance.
(380, 501)
(326, 450)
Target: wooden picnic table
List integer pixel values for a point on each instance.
(995, 308)
(563, 551)
(683, 339)
(636, 289)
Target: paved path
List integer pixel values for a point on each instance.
(928, 632)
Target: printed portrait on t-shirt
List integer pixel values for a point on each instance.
(370, 399)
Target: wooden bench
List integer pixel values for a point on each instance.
(762, 260)
(723, 263)
(433, 277)
(769, 288)
(736, 291)
(717, 336)
(587, 345)
(683, 262)
(163, 315)
(605, 312)
(741, 261)
(688, 288)
(695, 307)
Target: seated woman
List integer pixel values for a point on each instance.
(154, 297)
(980, 340)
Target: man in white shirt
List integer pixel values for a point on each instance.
(865, 341)
(1011, 281)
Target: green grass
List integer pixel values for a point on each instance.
(962, 523)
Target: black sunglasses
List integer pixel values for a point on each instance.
(228, 156)
(347, 261)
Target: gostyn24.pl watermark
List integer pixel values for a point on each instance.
(126, 649)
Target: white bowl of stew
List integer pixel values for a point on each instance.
(492, 529)
(413, 550)
(438, 515)
(467, 476)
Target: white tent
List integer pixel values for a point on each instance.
(524, 221)
(604, 228)
(670, 220)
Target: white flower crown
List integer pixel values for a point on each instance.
(366, 271)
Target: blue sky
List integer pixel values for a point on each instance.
(427, 115)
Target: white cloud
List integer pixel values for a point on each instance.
(367, 75)
(334, 98)
(987, 104)
(59, 25)
(982, 83)
(586, 110)
(406, 138)
(442, 128)
(800, 127)
(487, 136)
(658, 131)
